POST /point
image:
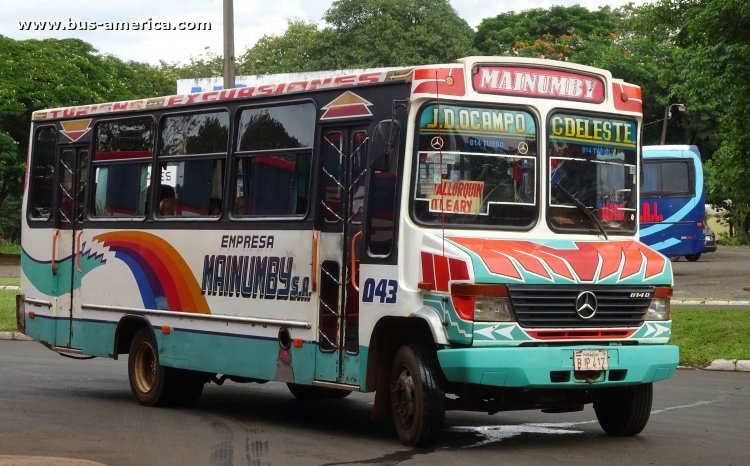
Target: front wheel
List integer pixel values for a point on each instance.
(693, 257)
(417, 398)
(624, 411)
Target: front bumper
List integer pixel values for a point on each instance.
(552, 366)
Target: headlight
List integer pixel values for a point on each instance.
(482, 302)
(492, 310)
(659, 307)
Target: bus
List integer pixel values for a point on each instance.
(458, 236)
(673, 201)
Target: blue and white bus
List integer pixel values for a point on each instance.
(673, 201)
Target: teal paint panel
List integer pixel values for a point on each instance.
(350, 372)
(94, 338)
(531, 367)
(41, 329)
(327, 366)
(40, 274)
(221, 354)
(365, 376)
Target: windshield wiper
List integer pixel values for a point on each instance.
(581, 206)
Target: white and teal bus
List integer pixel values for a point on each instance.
(455, 236)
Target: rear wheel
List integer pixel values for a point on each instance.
(624, 411)
(693, 257)
(417, 398)
(156, 385)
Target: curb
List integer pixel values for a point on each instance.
(14, 336)
(710, 302)
(736, 365)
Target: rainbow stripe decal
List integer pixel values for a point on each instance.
(592, 262)
(164, 278)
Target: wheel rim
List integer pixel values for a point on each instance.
(404, 399)
(145, 367)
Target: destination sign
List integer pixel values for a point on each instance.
(591, 130)
(537, 82)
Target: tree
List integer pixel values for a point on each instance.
(556, 33)
(371, 33)
(366, 34)
(714, 78)
(300, 48)
(204, 65)
(38, 74)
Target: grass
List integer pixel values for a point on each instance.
(9, 281)
(707, 334)
(8, 310)
(702, 334)
(10, 248)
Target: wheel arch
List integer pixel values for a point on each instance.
(389, 334)
(127, 327)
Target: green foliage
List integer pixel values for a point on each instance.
(8, 310)
(205, 65)
(366, 34)
(714, 78)
(300, 48)
(556, 33)
(38, 74)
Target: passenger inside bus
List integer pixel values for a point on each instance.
(241, 205)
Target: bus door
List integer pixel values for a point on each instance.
(342, 197)
(72, 163)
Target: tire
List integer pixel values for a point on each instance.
(155, 385)
(693, 257)
(624, 412)
(417, 397)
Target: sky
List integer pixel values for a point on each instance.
(253, 19)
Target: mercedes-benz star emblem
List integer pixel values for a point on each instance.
(586, 304)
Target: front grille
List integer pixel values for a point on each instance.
(555, 306)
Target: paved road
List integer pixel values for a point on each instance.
(717, 275)
(53, 406)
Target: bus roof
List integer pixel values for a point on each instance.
(511, 76)
(683, 151)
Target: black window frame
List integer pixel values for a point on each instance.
(247, 155)
(95, 164)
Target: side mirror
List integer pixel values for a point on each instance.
(384, 146)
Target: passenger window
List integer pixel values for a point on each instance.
(273, 164)
(122, 157)
(42, 174)
(192, 157)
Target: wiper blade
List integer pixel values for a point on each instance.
(582, 207)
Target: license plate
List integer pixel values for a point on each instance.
(590, 360)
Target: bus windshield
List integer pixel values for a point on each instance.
(592, 170)
(475, 166)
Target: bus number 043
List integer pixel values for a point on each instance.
(384, 290)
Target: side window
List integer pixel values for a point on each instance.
(192, 157)
(42, 175)
(383, 201)
(121, 162)
(273, 161)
